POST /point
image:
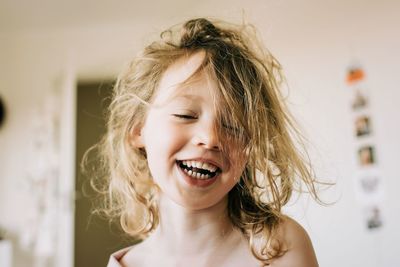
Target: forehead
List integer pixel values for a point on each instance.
(182, 69)
(186, 78)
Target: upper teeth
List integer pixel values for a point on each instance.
(200, 165)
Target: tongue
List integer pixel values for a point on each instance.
(199, 170)
(194, 169)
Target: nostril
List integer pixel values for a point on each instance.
(207, 139)
(210, 145)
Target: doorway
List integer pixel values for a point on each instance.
(95, 238)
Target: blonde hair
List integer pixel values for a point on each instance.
(249, 78)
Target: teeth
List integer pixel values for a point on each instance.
(209, 167)
(200, 165)
(197, 175)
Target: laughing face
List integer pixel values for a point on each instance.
(184, 151)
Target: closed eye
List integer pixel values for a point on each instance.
(184, 116)
(231, 129)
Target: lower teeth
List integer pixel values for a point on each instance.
(198, 175)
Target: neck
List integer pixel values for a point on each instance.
(193, 232)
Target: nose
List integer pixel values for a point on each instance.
(206, 136)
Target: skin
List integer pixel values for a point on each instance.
(194, 229)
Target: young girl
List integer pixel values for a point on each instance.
(199, 154)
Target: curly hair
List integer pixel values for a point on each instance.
(249, 80)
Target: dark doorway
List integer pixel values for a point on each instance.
(95, 239)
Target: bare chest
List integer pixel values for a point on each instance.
(239, 256)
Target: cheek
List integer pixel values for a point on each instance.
(238, 166)
(159, 129)
(162, 141)
(238, 156)
(155, 132)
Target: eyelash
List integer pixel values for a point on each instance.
(191, 117)
(184, 116)
(231, 129)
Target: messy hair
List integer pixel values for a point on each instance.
(249, 80)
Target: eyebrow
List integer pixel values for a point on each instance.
(188, 97)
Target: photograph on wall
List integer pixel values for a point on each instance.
(373, 215)
(366, 155)
(359, 100)
(369, 189)
(370, 184)
(355, 74)
(362, 126)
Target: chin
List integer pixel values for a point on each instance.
(193, 203)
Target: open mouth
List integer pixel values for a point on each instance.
(198, 170)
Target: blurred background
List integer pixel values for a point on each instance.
(58, 59)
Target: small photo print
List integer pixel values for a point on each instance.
(355, 74)
(359, 100)
(362, 126)
(373, 217)
(369, 188)
(370, 184)
(366, 155)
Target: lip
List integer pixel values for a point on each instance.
(197, 182)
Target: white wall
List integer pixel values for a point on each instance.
(314, 40)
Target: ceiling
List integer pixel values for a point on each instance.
(23, 15)
(28, 15)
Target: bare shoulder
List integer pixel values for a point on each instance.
(135, 256)
(300, 251)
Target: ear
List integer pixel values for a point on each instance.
(135, 137)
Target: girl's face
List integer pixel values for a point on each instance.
(183, 148)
